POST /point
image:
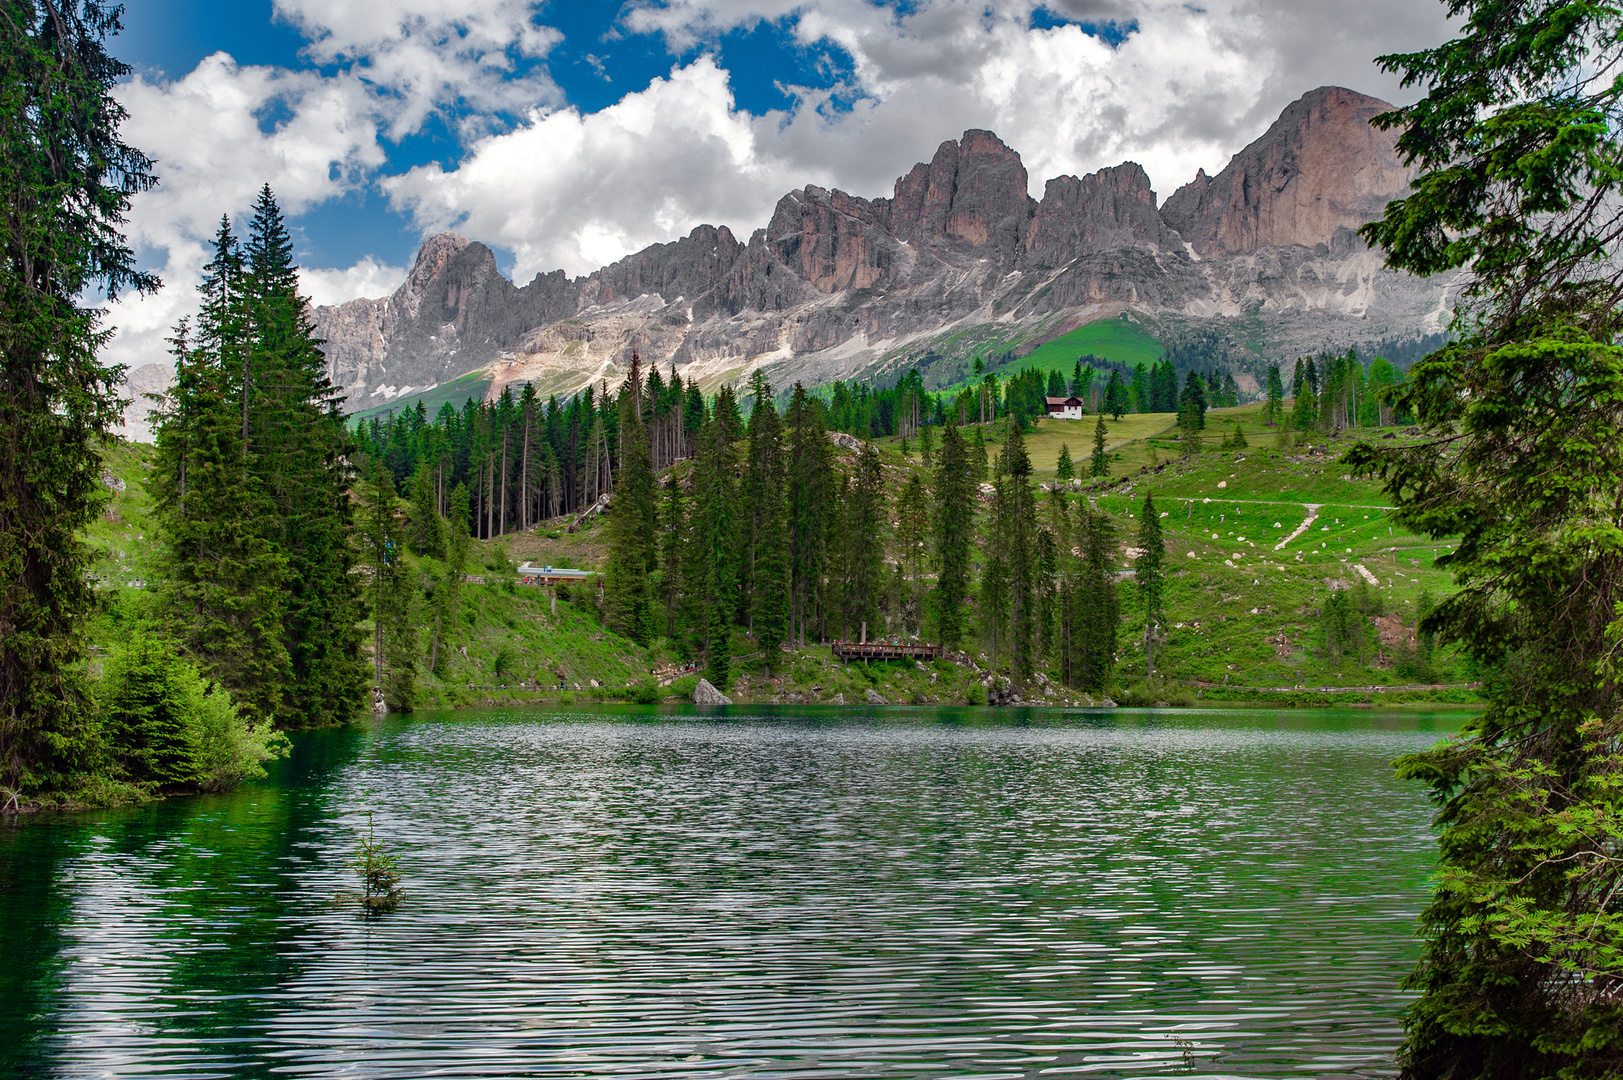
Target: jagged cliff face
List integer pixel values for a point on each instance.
(837, 286)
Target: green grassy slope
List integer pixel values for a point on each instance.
(456, 392)
(1117, 339)
(1242, 609)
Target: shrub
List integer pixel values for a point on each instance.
(170, 728)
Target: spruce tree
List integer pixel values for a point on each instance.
(953, 529)
(633, 522)
(382, 543)
(66, 179)
(1149, 574)
(427, 526)
(1115, 399)
(1101, 458)
(298, 453)
(763, 540)
(674, 525)
(1064, 469)
(861, 543)
(1520, 467)
(221, 586)
(1098, 617)
(811, 508)
(1274, 410)
(1009, 589)
(712, 575)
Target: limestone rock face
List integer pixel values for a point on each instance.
(875, 697)
(707, 694)
(1100, 212)
(837, 286)
(1319, 169)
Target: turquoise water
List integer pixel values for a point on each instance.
(641, 892)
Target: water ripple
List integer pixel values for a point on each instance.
(668, 896)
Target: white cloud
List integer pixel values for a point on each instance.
(478, 55)
(577, 190)
(1185, 90)
(368, 278)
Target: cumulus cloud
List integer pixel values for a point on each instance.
(1184, 89)
(575, 191)
(367, 278)
(480, 55)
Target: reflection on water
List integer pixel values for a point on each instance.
(638, 893)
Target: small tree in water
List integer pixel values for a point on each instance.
(380, 873)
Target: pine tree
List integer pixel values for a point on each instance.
(633, 521)
(953, 528)
(1149, 575)
(1115, 400)
(1098, 619)
(811, 498)
(674, 526)
(66, 180)
(1064, 469)
(427, 527)
(764, 558)
(298, 452)
(861, 543)
(221, 587)
(1009, 584)
(383, 554)
(712, 575)
(1274, 410)
(1101, 458)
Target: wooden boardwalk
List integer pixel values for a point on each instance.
(878, 650)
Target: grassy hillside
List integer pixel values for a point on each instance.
(1244, 595)
(1119, 339)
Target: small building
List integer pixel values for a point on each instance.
(1064, 408)
(552, 575)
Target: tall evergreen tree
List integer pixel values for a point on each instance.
(712, 575)
(1009, 590)
(382, 543)
(1149, 575)
(861, 543)
(1115, 399)
(811, 507)
(953, 531)
(1098, 619)
(222, 584)
(1274, 409)
(1101, 458)
(1517, 144)
(66, 179)
(1064, 468)
(633, 521)
(298, 452)
(764, 554)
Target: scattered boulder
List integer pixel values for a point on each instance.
(837, 699)
(706, 694)
(876, 698)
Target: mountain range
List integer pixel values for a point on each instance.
(1257, 264)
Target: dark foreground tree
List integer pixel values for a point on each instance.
(1522, 460)
(65, 183)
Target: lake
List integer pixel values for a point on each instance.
(754, 893)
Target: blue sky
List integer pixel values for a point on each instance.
(567, 135)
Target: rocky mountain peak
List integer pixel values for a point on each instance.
(1318, 169)
(971, 197)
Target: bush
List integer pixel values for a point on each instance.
(975, 694)
(170, 728)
